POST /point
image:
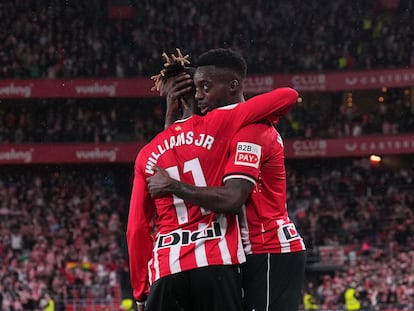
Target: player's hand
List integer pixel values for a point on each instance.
(174, 88)
(177, 86)
(160, 183)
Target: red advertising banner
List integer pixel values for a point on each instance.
(78, 88)
(126, 153)
(141, 87)
(333, 81)
(68, 153)
(350, 147)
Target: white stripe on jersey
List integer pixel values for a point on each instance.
(224, 249)
(156, 265)
(174, 256)
(200, 250)
(244, 231)
(241, 256)
(181, 210)
(150, 271)
(302, 243)
(240, 176)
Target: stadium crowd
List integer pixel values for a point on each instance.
(138, 120)
(369, 210)
(74, 121)
(335, 205)
(77, 38)
(62, 232)
(384, 281)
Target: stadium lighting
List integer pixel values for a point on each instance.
(375, 159)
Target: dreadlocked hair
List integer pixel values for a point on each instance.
(224, 58)
(174, 65)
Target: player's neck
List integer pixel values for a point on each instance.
(238, 99)
(186, 114)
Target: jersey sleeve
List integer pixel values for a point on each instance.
(139, 232)
(273, 105)
(245, 154)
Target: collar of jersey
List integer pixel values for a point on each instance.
(183, 120)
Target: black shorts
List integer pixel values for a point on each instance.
(273, 281)
(212, 288)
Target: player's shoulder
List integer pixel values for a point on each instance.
(152, 144)
(260, 130)
(218, 115)
(228, 107)
(261, 126)
(222, 110)
(142, 153)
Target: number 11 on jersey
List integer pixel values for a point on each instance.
(191, 166)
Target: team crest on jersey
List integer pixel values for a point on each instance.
(178, 128)
(248, 154)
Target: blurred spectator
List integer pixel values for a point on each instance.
(351, 298)
(309, 299)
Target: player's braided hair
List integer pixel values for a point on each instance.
(174, 64)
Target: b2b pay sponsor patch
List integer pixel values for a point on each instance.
(248, 154)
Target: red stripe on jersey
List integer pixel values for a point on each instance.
(187, 256)
(234, 248)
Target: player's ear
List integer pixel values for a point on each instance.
(234, 84)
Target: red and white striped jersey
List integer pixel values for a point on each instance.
(257, 154)
(193, 151)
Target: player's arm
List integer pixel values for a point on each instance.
(174, 88)
(273, 104)
(139, 237)
(228, 198)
